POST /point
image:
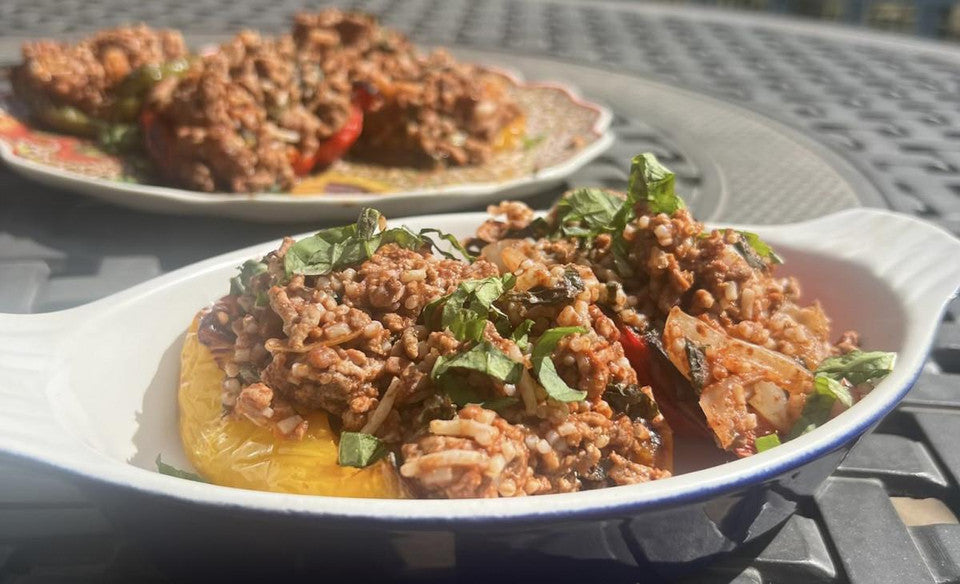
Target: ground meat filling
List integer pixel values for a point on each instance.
(676, 261)
(668, 278)
(211, 134)
(84, 75)
(236, 120)
(424, 110)
(440, 113)
(353, 343)
(258, 112)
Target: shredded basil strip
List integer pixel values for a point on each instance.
(816, 410)
(466, 310)
(766, 442)
(164, 468)
(325, 251)
(858, 366)
(483, 357)
(359, 450)
(697, 362)
(453, 241)
(838, 389)
(566, 289)
(653, 182)
(339, 247)
(631, 400)
(240, 283)
(521, 334)
(756, 251)
(587, 212)
(832, 382)
(545, 370)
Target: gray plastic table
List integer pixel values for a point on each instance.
(765, 120)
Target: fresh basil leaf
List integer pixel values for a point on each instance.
(408, 239)
(653, 182)
(404, 237)
(816, 410)
(325, 251)
(339, 247)
(483, 357)
(521, 334)
(587, 212)
(453, 241)
(858, 366)
(367, 225)
(827, 385)
(359, 450)
(831, 381)
(545, 370)
(466, 310)
(698, 365)
(240, 283)
(556, 388)
(164, 468)
(766, 442)
(565, 290)
(631, 400)
(755, 250)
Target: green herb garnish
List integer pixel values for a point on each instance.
(653, 182)
(359, 450)
(240, 283)
(587, 212)
(483, 357)
(858, 366)
(546, 371)
(565, 290)
(631, 400)
(521, 334)
(339, 247)
(466, 310)
(164, 468)
(756, 251)
(697, 362)
(325, 251)
(766, 442)
(816, 410)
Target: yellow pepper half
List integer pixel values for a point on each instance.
(237, 453)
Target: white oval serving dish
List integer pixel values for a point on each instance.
(92, 390)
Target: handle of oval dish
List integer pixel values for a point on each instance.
(30, 360)
(918, 260)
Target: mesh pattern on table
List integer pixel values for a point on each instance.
(893, 112)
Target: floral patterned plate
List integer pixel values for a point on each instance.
(563, 132)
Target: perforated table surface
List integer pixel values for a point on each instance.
(764, 120)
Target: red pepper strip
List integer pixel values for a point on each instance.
(331, 149)
(366, 96)
(302, 165)
(654, 369)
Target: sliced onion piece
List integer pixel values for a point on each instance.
(733, 354)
